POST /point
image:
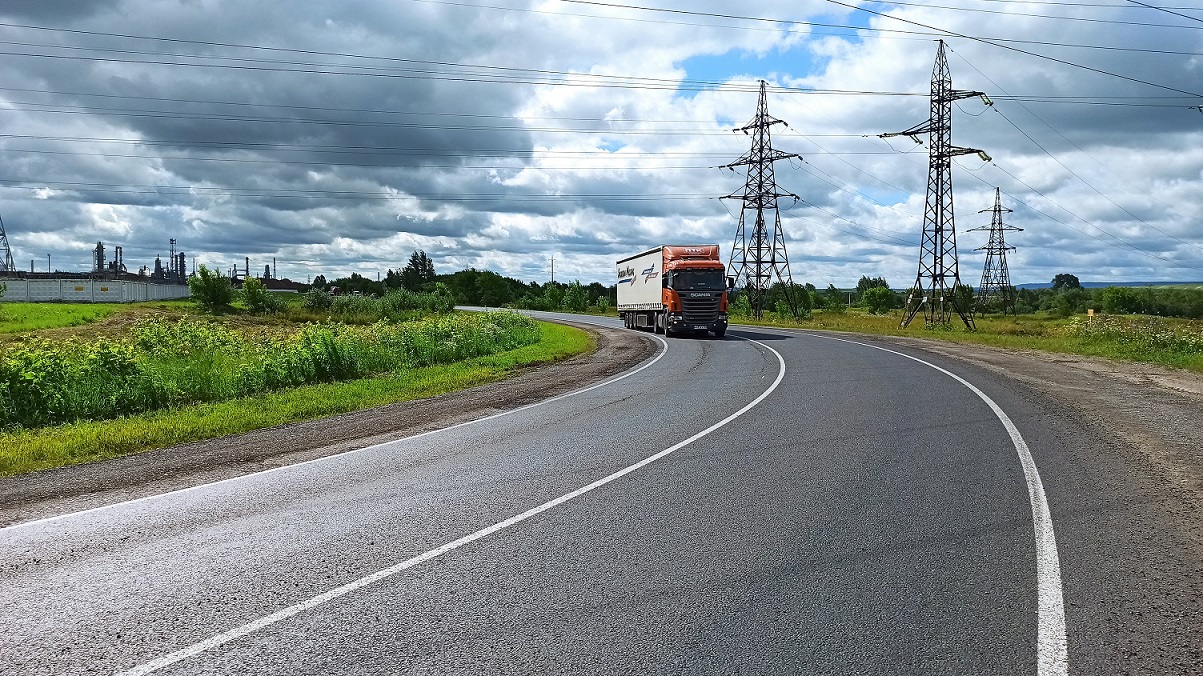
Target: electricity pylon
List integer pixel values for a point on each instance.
(756, 256)
(937, 289)
(996, 279)
(6, 252)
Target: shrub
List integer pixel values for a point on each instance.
(317, 300)
(878, 300)
(259, 300)
(210, 290)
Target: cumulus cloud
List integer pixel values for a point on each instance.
(339, 137)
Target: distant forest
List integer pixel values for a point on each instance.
(1065, 297)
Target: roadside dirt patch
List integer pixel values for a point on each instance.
(69, 489)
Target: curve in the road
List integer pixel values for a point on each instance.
(268, 620)
(1051, 651)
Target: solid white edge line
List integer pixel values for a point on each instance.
(267, 620)
(156, 496)
(1052, 658)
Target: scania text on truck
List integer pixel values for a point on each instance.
(674, 289)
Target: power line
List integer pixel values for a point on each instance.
(313, 193)
(1166, 10)
(1013, 49)
(1051, 16)
(1064, 166)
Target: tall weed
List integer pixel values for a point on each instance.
(168, 364)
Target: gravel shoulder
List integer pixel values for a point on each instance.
(69, 489)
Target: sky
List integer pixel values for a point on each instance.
(338, 137)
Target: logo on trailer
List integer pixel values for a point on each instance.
(626, 275)
(649, 273)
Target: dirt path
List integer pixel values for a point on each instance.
(68, 489)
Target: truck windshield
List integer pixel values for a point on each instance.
(698, 280)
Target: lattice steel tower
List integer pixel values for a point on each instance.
(756, 255)
(996, 279)
(937, 289)
(6, 252)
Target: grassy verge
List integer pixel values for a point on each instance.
(18, 317)
(1169, 342)
(75, 443)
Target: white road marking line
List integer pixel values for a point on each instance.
(267, 620)
(1052, 658)
(156, 496)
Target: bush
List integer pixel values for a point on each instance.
(741, 306)
(317, 300)
(878, 300)
(210, 290)
(259, 300)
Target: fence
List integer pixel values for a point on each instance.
(88, 291)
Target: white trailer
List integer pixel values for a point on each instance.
(678, 288)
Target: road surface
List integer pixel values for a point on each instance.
(774, 502)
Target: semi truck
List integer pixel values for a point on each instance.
(674, 289)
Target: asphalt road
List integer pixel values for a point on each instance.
(789, 504)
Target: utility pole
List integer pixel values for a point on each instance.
(553, 269)
(756, 255)
(6, 252)
(937, 287)
(996, 279)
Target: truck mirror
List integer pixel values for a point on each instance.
(730, 282)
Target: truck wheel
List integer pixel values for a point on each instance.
(719, 333)
(661, 324)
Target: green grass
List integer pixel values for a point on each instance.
(19, 317)
(1169, 342)
(81, 442)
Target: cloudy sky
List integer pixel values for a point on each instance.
(341, 136)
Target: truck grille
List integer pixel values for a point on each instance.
(699, 310)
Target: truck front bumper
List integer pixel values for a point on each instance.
(678, 322)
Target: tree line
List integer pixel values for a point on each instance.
(1064, 297)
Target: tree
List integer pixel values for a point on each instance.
(319, 282)
(867, 283)
(492, 290)
(878, 300)
(1065, 281)
(575, 299)
(830, 298)
(210, 290)
(418, 271)
(966, 298)
(553, 296)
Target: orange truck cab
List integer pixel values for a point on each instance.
(674, 289)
